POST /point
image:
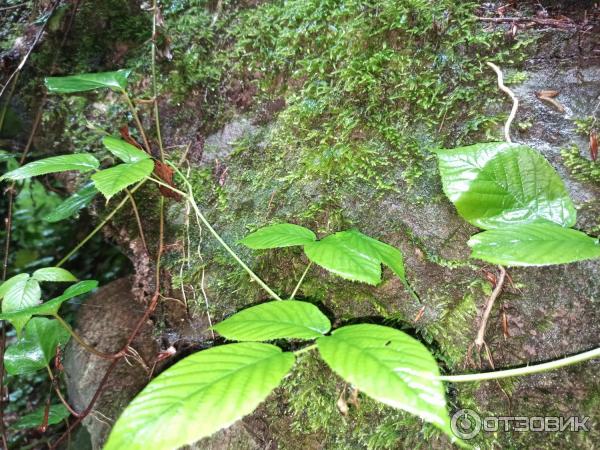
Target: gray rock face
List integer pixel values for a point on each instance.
(105, 321)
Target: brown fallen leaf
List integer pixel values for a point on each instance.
(165, 173)
(593, 145)
(548, 96)
(124, 132)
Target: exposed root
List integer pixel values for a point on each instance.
(480, 339)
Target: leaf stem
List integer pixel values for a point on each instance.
(100, 225)
(305, 349)
(154, 84)
(137, 121)
(81, 342)
(520, 371)
(137, 218)
(300, 281)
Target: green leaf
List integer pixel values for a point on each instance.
(200, 395)
(355, 256)
(279, 235)
(124, 151)
(73, 204)
(52, 306)
(497, 184)
(22, 295)
(53, 274)
(116, 81)
(82, 162)
(56, 414)
(389, 366)
(5, 156)
(36, 348)
(533, 245)
(287, 319)
(8, 284)
(114, 180)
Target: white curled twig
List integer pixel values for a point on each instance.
(512, 95)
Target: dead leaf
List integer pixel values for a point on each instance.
(593, 145)
(124, 132)
(165, 173)
(548, 96)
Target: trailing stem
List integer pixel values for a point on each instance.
(526, 370)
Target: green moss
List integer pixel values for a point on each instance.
(580, 168)
(369, 87)
(311, 395)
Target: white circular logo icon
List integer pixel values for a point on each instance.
(466, 424)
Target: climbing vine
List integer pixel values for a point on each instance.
(508, 190)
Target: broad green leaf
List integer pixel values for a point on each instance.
(124, 151)
(279, 235)
(82, 162)
(53, 274)
(389, 366)
(114, 180)
(22, 295)
(5, 156)
(533, 245)
(73, 204)
(200, 395)
(56, 414)
(36, 348)
(497, 184)
(287, 319)
(355, 256)
(8, 284)
(52, 306)
(116, 81)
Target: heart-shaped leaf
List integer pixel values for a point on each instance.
(355, 256)
(56, 414)
(497, 184)
(53, 274)
(36, 348)
(287, 319)
(533, 245)
(116, 81)
(389, 366)
(200, 395)
(73, 204)
(49, 308)
(114, 180)
(8, 284)
(81, 162)
(123, 150)
(279, 235)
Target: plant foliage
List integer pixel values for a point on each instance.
(36, 348)
(211, 389)
(514, 193)
(199, 395)
(349, 254)
(88, 81)
(275, 320)
(81, 162)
